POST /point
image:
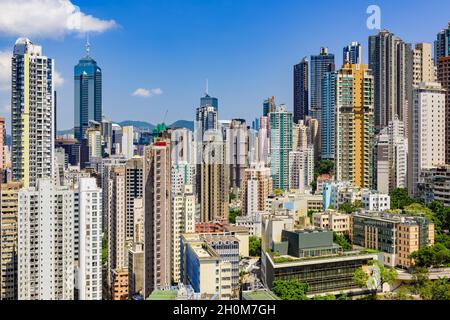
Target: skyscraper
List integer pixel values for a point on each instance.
(424, 69)
(88, 94)
(427, 145)
(328, 116)
(392, 153)
(352, 53)
(301, 90)
(207, 100)
(444, 79)
(9, 198)
(128, 142)
(46, 262)
(157, 216)
(256, 187)
(214, 179)
(183, 221)
(116, 209)
(2, 143)
(320, 64)
(237, 141)
(134, 190)
(354, 152)
(269, 106)
(32, 106)
(390, 60)
(280, 146)
(89, 270)
(442, 44)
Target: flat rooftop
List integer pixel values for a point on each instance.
(259, 295)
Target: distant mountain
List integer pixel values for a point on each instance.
(138, 124)
(183, 124)
(143, 125)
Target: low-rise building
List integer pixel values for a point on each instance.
(336, 194)
(332, 220)
(435, 185)
(397, 236)
(203, 268)
(311, 257)
(374, 201)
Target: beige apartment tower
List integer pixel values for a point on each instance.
(157, 216)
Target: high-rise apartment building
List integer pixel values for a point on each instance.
(46, 242)
(444, 79)
(427, 143)
(280, 146)
(133, 189)
(301, 168)
(89, 270)
(424, 68)
(256, 188)
(392, 157)
(390, 60)
(183, 160)
(238, 145)
(9, 195)
(116, 208)
(157, 216)
(320, 64)
(88, 94)
(128, 142)
(354, 125)
(352, 53)
(301, 90)
(2, 143)
(214, 179)
(183, 221)
(33, 113)
(327, 126)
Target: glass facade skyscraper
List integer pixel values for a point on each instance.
(207, 100)
(320, 64)
(327, 126)
(88, 95)
(301, 90)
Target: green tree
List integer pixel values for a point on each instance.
(278, 192)
(233, 214)
(400, 198)
(290, 289)
(360, 277)
(440, 289)
(437, 255)
(232, 196)
(343, 241)
(254, 247)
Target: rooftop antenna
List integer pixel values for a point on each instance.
(88, 46)
(207, 87)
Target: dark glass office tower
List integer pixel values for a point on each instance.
(301, 90)
(207, 100)
(320, 64)
(88, 94)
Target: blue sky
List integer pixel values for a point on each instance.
(246, 48)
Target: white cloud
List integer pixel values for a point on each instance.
(58, 79)
(5, 70)
(47, 18)
(146, 93)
